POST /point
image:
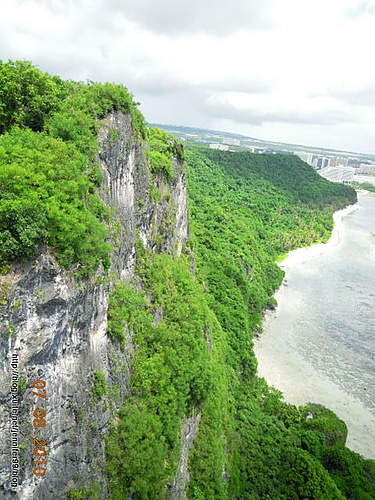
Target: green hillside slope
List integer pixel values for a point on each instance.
(245, 210)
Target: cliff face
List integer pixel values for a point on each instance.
(57, 325)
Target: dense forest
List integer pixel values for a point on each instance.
(196, 360)
(246, 210)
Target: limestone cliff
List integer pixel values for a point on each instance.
(57, 324)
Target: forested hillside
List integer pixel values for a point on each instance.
(246, 210)
(183, 323)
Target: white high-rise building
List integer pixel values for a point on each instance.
(221, 147)
(344, 175)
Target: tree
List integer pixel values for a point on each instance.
(27, 95)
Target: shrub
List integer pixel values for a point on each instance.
(27, 95)
(99, 388)
(162, 148)
(47, 196)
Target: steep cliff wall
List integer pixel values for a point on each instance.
(57, 326)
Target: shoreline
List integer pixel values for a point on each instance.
(304, 253)
(290, 372)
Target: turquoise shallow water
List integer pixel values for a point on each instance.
(320, 344)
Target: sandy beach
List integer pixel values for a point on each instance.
(286, 368)
(302, 254)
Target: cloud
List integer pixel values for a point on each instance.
(246, 84)
(361, 94)
(283, 108)
(218, 17)
(176, 17)
(360, 9)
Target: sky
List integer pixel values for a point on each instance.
(295, 71)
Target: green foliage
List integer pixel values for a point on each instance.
(46, 196)
(193, 348)
(139, 445)
(113, 134)
(162, 148)
(77, 118)
(76, 494)
(22, 383)
(353, 475)
(172, 373)
(4, 270)
(305, 478)
(159, 140)
(246, 210)
(27, 95)
(364, 185)
(91, 492)
(323, 420)
(312, 441)
(368, 186)
(99, 387)
(8, 329)
(4, 289)
(126, 310)
(17, 304)
(160, 163)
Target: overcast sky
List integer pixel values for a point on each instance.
(286, 70)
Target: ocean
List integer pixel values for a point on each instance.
(319, 345)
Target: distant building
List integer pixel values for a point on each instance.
(322, 162)
(316, 161)
(338, 161)
(306, 157)
(221, 147)
(344, 175)
(365, 169)
(231, 142)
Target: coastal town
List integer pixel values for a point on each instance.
(337, 166)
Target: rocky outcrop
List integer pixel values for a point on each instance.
(56, 324)
(190, 428)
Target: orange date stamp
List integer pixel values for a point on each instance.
(39, 421)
